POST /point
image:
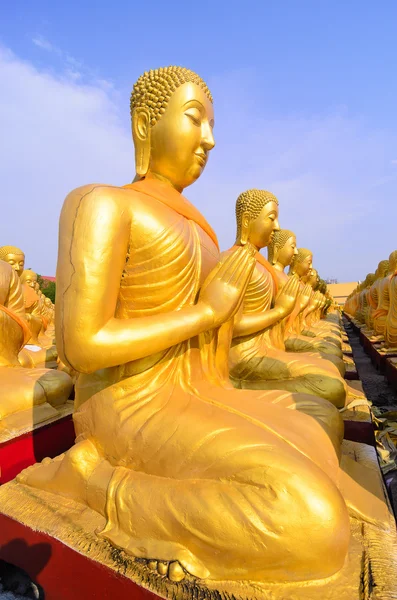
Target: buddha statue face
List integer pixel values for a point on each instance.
(30, 278)
(287, 253)
(14, 257)
(172, 142)
(257, 218)
(302, 263)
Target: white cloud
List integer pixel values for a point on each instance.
(44, 44)
(331, 173)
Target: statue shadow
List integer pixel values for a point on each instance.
(20, 566)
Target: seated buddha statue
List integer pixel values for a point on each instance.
(373, 297)
(36, 310)
(363, 300)
(312, 324)
(166, 446)
(281, 251)
(379, 315)
(302, 266)
(391, 319)
(28, 396)
(255, 361)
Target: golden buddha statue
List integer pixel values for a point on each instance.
(14, 256)
(363, 304)
(28, 396)
(302, 266)
(255, 360)
(373, 297)
(190, 473)
(391, 319)
(37, 311)
(379, 315)
(281, 251)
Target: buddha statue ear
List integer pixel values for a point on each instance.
(141, 136)
(245, 227)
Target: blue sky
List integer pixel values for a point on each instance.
(305, 105)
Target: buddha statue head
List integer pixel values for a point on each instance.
(29, 278)
(14, 257)
(172, 120)
(302, 263)
(393, 262)
(323, 288)
(282, 248)
(369, 280)
(382, 270)
(313, 278)
(256, 218)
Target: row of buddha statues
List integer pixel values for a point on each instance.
(373, 305)
(210, 384)
(33, 383)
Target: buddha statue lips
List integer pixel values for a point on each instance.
(189, 472)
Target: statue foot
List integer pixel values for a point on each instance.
(173, 570)
(67, 474)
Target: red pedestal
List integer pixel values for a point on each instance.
(63, 573)
(357, 431)
(29, 448)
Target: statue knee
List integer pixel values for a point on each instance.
(324, 548)
(57, 386)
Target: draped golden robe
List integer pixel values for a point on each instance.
(200, 469)
(256, 362)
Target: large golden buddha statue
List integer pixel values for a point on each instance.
(28, 396)
(189, 472)
(255, 360)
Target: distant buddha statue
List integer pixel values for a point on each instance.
(363, 303)
(14, 257)
(294, 341)
(379, 315)
(28, 396)
(36, 310)
(391, 319)
(373, 295)
(255, 361)
(166, 446)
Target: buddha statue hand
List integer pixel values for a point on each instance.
(305, 296)
(286, 298)
(223, 290)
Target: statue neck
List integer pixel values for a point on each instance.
(159, 177)
(279, 266)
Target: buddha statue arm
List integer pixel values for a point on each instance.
(94, 239)
(250, 323)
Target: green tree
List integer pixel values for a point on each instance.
(47, 287)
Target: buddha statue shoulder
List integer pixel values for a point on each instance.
(165, 443)
(255, 361)
(29, 396)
